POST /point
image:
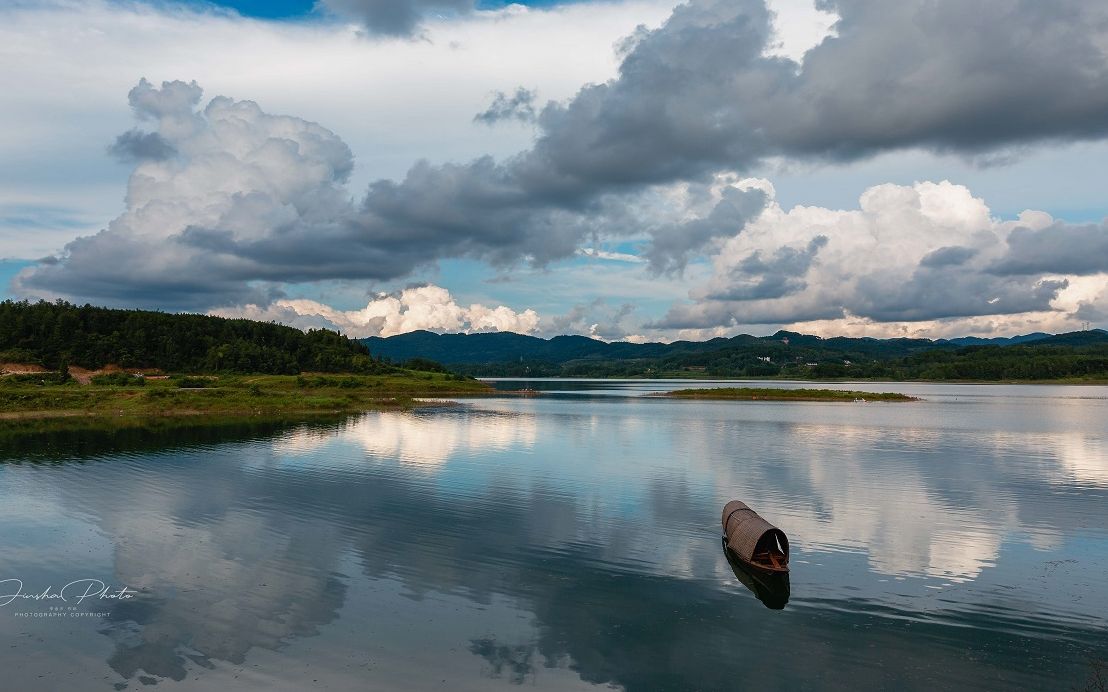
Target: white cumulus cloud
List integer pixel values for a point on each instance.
(432, 308)
(923, 259)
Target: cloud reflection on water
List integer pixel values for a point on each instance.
(213, 590)
(421, 439)
(607, 537)
(1083, 457)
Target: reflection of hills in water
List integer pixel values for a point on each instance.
(773, 590)
(66, 439)
(263, 542)
(229, 557)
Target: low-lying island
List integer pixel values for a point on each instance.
(778, 394)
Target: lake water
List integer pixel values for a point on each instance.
(569, 541)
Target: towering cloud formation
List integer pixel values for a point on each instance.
(227, 202)
(232, 195)
(701, 95)
(908, 254)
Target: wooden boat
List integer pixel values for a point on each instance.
(771, 588)
(755, 541)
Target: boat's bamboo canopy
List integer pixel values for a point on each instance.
(747, 533)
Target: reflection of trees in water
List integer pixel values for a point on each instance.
(517, 661)
(231, 558)
(65, 440)
(218, 572)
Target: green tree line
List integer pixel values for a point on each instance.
(58, 334)
(1031, 361)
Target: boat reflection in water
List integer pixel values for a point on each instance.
(772, 589)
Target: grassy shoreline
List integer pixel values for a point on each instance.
(775, 394)
(73, 423)
(231, 395)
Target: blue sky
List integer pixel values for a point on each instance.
(268, 9)
(289, 9)
(327, 167)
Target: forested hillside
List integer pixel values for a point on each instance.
(1077, 355)
(56, 334)
(506, 347)
(1061, 357)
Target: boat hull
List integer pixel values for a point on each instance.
(771, 588)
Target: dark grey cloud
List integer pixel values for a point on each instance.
(136, 145)
(733, 313)
(947, 256)
(187, 242)
(696, 97)
(1059, 248)
(931, 294)
(395, 17)
(782, 274)
(780, 295)
(1091, 311)
(118, 269)
(518, 106)
(672, 244)
(947, 75)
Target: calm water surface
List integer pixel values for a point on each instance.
(570, 541)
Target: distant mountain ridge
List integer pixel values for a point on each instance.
(997, 340)
(486, 348)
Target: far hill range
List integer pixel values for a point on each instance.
(1037, 356)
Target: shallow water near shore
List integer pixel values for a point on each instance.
(569, 541)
